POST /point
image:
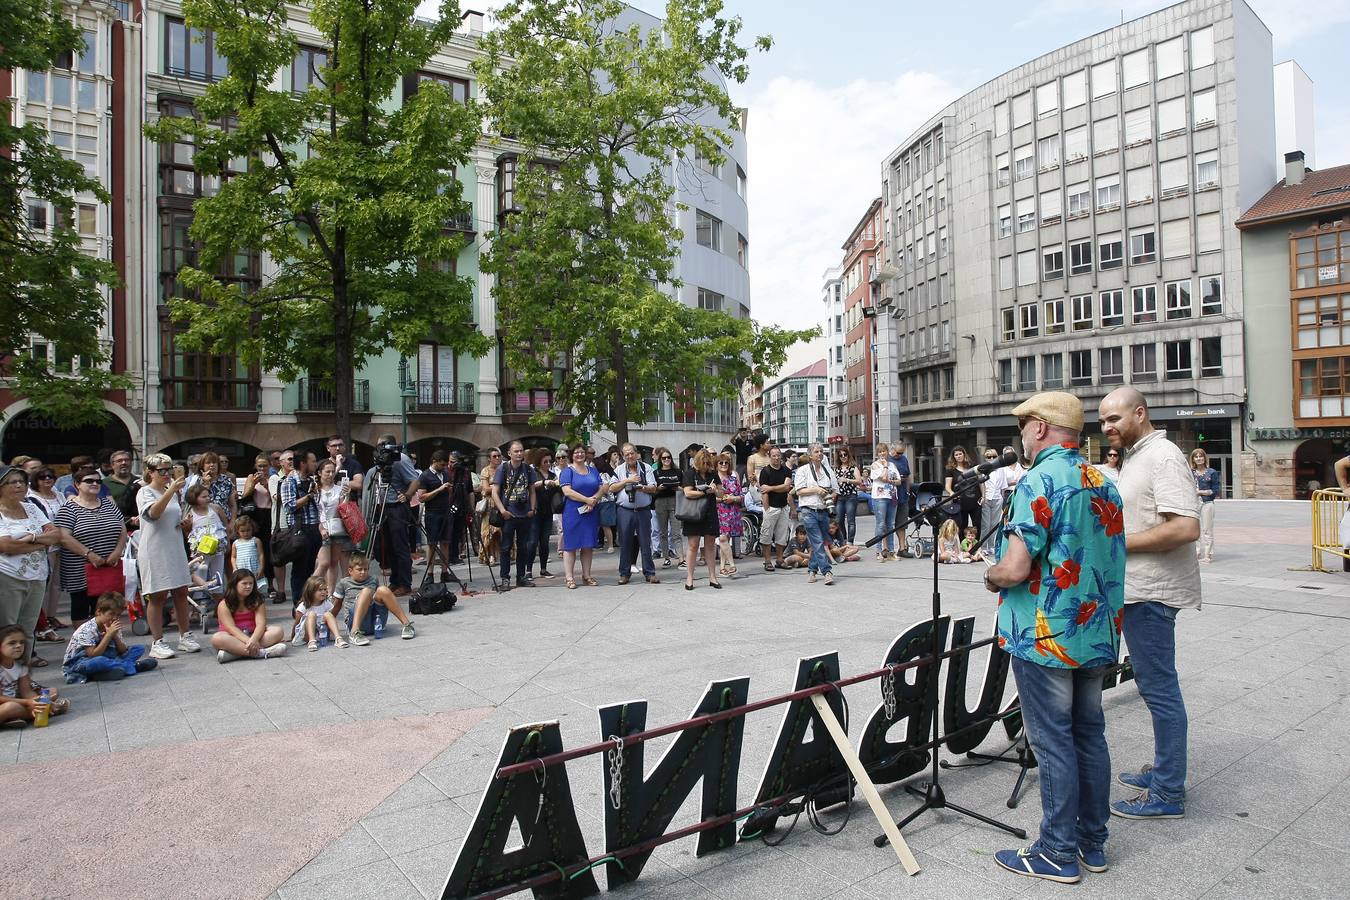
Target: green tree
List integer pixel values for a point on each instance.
(601, 111)
(49, 289)
(349, 194)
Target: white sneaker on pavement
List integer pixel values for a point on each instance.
(188, 644)
(161, 650)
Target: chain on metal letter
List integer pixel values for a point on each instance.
(616, 772)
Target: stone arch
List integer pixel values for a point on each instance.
(1314, 464)
(23, 431)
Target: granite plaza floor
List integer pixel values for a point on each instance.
(355, 773)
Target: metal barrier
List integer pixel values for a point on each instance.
(1328, 507)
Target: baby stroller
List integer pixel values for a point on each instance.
(920, 533)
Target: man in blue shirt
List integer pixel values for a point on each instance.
(635, 487)
(1061, 584)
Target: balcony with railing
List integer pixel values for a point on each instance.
(444, 399)
(224, 399)
(318, 397)
(519, 404)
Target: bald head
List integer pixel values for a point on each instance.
(1123, 414)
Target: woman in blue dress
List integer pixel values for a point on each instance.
(582, 488)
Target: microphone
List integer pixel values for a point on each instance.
(984, 468)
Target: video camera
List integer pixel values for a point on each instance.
(387, 454)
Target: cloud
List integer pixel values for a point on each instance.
(815, 164)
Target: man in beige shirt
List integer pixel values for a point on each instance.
(1162, 576)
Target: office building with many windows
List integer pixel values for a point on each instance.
(1069, 226)
(832, 328)
(859, 267)
(795, 407)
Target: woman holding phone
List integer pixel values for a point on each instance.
(162, 555)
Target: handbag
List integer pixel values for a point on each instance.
(691, 510)
(208, 544)
(288, 545)
(555, 501)
(352, 520)
(99, 580)
(131, 576)
(495, 516)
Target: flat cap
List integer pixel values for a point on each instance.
(1054, 408)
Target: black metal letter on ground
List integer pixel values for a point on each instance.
(914, 701)
(638, 809)
(966, 729)
(541, 807)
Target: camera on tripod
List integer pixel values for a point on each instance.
(387, 454)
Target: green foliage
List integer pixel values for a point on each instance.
(346, 193)
(48, 287)
(599, 111)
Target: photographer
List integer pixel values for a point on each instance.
(635, 487)
(300, 506)
(397, 470)
(434, 487)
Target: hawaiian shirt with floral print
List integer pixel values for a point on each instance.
(1068, 612)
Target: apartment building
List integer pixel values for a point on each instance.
(795, 407)
(859, 268)
(1069, 225)
(833, 331)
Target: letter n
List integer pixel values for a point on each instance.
(540, 805)
(711, 753)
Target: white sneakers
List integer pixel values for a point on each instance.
(188, 644)
(161, 650)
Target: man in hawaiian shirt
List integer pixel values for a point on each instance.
(1060, 580)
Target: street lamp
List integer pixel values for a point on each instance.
(407, 391)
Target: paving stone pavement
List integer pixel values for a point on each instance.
(1263, 671)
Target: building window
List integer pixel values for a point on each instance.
(1108, 191)
(948, 383)
(1050, 208)
(1021, 110)
(710, 300)
(1005, 382)
(1080, 200)
(1113, 308)
(1054, 316)
(742, 251)
(307, 69)
(1144, 362)
(1080, 308)
(437, 376)
(37, 215)
(1005, 273)
(1026, 373)
(1080, 368)
(1047, 152)
(1139, 185)
(1008, 318)
(1143, 246)
(1203, 109)
(1171, 117)
(1178, 299)
(1172, 176)
(1169, 59)
(1202, 48)
(1080, 257)
(457, 88)
(1001, 164)
(88, 219)
(1047, 99)
(1104, 79)
(1106, 135)
(1027, 268)
(1207, 232)
(1075, 89)
(1323, 386)
(1052, 262)
(1138, 127)
(1206, 169)
(1144, 301)
(704, 164)
(1318, 261)
(740, 183)
(1052, 371)
(1111, 364)
(1211, 357)
(1109, 251)
(708, 230)
(1176, 239)
(1004, 220)
(1134, 69)
(1323, 321)
(1026, 214)
(1076, 144)
(177, 175)
(191, 52)
(1028, 316)
(1211, 295)
(1178, 354)
(1024, 162)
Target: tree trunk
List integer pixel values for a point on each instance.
(617, 361)
(344, 394)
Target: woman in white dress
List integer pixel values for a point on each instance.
(337, 545)
(162, 555)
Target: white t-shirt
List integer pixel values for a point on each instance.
(883, 468)
(1156, 479)
(9, 679)
(31, 566)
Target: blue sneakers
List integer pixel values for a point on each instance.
(1140, 781)
(1093, 860)
(1146, 806)
(1031, 862)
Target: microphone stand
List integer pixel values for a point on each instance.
(932, 793)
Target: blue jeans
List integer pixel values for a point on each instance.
(817, 525)
(883, 516)
(1062, 713)
(846, 514)
(1150, 634)
(84, 668)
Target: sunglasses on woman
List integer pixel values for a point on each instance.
(91, 481)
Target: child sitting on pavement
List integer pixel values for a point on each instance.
(968, 543)
(839, 549)
(366, 588)
(18, 697)
(241, 617)
(96, 651)
(315, 604)
(949, 544)
(798, 549)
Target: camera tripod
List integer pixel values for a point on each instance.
(377, 501)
